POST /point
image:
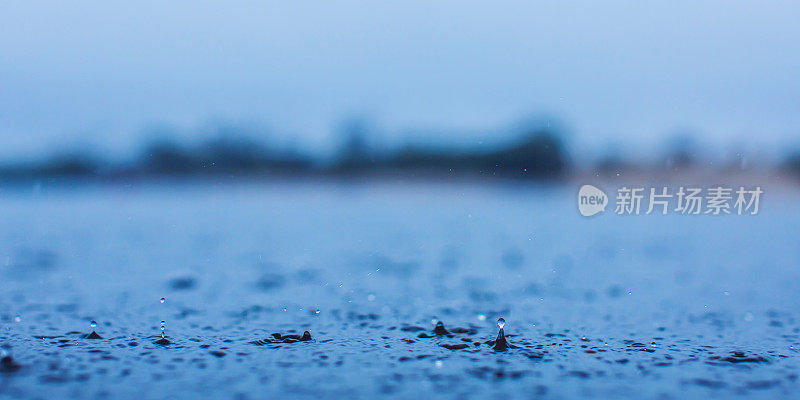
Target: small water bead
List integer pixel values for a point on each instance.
(93, 324)
(501, 323)
(163, 300)
(17, 318)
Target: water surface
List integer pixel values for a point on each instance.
(606, 307)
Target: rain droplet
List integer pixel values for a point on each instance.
(162, 329)
(17, 318)
(93, 324)
(163, 300)
(481, 317)
(501, 323)
(316, 311)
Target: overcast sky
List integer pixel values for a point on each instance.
(628, 73)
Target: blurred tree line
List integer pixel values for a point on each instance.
(538, 154)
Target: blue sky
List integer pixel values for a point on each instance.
(102, 74)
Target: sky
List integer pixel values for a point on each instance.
(108, 75)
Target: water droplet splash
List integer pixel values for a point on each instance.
(500, 344)
(163, 341)
(440, 329)
(94, 334)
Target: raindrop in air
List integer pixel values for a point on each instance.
(93, 324)
(162, 329)
(501, 323)
(163, 300)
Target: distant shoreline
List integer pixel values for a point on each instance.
(538, 156)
